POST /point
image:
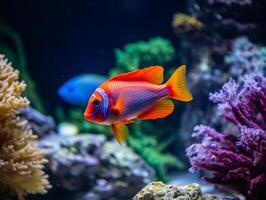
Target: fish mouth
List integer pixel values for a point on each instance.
(87, 116)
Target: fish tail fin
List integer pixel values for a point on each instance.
(120, 132)
(177, 85)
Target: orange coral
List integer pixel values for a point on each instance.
(21, 162)
(185, 24)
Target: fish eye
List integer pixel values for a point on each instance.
(96, 103)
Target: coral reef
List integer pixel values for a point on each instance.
(146, 145)
(156, 51)
(245, 58)
(40, 124)
(241, 58)
(186, 25)
(153, 151)
(160, 191)
(236, 158)
(94, 168)
(12, 47)
(208, 76)
(21, 162)
(231, 18)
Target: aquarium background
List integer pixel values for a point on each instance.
(210, 148)
(64, 39)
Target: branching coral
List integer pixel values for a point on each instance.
(186, 24)
(236, 159)
(21, 162)
(245, 58)
(10, 90)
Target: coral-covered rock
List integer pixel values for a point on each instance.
(40, 124)
(237, 158)
(21, 162)
(185, 25)
(94, 168)
(160, 191)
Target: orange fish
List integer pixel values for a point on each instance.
(136, 95)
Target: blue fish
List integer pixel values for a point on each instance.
(78, 89)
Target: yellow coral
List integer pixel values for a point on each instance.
(185, 24)
(21, 162)
(10, 90)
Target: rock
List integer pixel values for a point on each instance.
(94, 168)
(41, 124)
(225, 193)
(210, 197)
(160, 191)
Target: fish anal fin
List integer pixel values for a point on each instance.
(160, 110)
(153, 74)
(120, 132)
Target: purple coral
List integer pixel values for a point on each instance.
(236, 159)
(245, 58)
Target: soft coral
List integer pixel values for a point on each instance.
(236, 159)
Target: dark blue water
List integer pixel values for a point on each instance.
(66, 38)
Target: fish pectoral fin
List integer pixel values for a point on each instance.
(120, 132)
(161, 110)
(119, 108)
(153, 74)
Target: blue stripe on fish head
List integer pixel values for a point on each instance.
(105, 102)
(96, 110)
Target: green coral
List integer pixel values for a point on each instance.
(11, 46)
(153, 145)
(147, 147)
(156, 51)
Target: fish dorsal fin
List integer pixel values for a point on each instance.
(161, 110)
(120, 132)
(153, 74)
